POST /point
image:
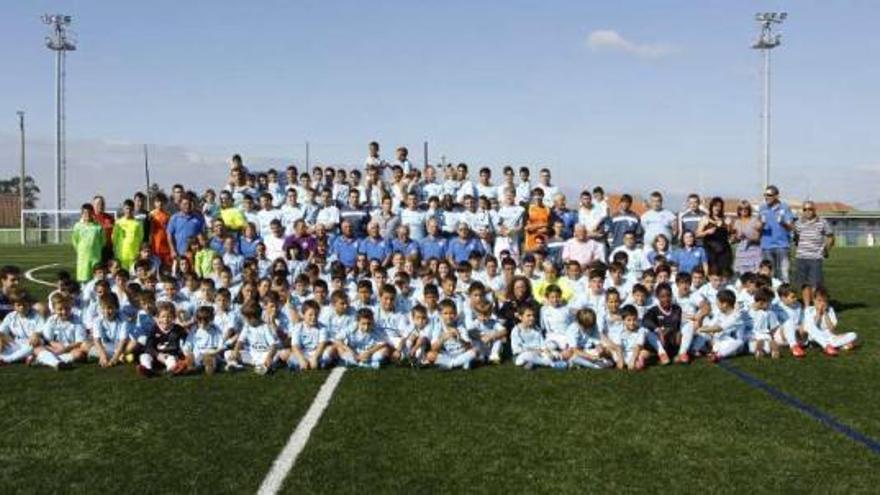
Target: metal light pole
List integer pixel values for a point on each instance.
(307, 157)
(59, 42)
(767, 41)
(21, 180)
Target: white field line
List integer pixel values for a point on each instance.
(297, 442)
(30, 274)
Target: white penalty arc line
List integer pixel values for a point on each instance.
(297, 442)
(30, 274)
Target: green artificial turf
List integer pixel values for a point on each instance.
(90, 430)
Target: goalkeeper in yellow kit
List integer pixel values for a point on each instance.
(128, 234)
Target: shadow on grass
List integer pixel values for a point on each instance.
(840, 306)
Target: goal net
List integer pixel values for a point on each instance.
(39, 226)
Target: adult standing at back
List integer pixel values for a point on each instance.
(714, 230)
(814, 239)
(106, 221)
(747, 236)
(184, 225)
(689, 218)
(658, 220)
(778, 222)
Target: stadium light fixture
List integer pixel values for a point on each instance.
(60, 42)
(766, 41)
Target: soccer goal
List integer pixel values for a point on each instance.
(49, 226)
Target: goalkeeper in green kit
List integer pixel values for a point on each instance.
(88, 241)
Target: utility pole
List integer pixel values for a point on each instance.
(21, 179)
(147, 174)
(307, 157)
(426, 154)
(59, 42)
(765, 42)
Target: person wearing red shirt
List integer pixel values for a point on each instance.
(158, 222)
(106, 221)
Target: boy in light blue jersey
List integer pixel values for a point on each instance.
(693, 310)
(231, 258)
(256, 345)
(594, 296)
(476, 293)
(144, 321)
(790, 314)
(99, 273)
(92, 311)
(723, 334)
(632, 340)
(820, 322)
(527, 342)
(64, 333)
(20, 339)
(109, 334)
(392, 323)
(414, 218)
(365, 346)
(509, 227)
(487, 333)
(310, 347)
(339, 319)
(709, 292)
(632, 257)
(203, 348)
(764, 326)
(422, 334)
(586, 345)
(616, 280)
(609, 320)
(451, 348)
(640, 300)
(555, 319)
(227, 318)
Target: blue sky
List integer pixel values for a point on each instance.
(670, 99)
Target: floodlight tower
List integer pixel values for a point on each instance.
(766, 41)
(59, 42)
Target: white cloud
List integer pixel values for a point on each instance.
(610, 40)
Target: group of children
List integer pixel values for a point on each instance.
(460, 319)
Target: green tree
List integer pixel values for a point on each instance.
(31, 190)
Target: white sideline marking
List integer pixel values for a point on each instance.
(30, 274)
(297, 442)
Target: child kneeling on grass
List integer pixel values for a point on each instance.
(527, 343)
(365, 346)
(204, 345)
(109, 333)
(451, 348)
(820, 322)
(256, 345)
(164, 345)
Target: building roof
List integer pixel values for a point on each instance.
(639, 205)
